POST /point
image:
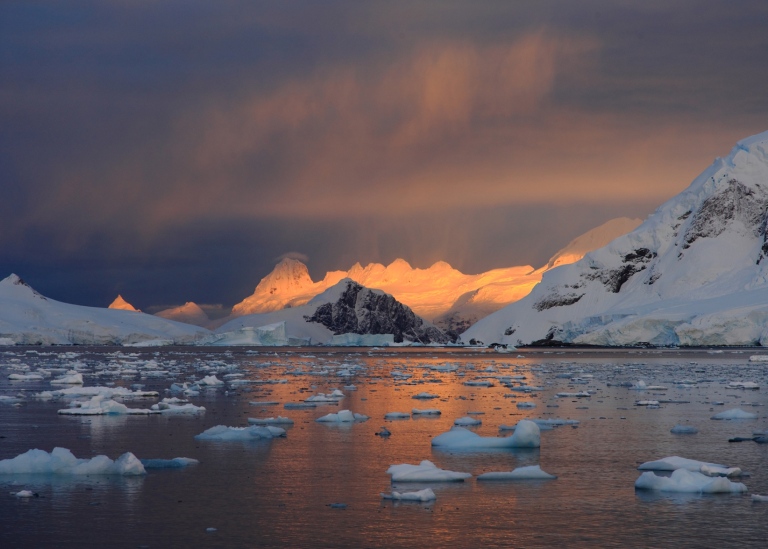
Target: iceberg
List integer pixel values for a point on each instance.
(531, 472)
(344, 416)
(683, 480)
(426, 471)
(224, 433)
(735, 413)
(100, 406)
(61, 461)
(279, 420)
(527, 435)
(421, 495)
(673, 463)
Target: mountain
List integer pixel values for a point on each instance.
(28, 318)
(344, 314)
(122, 304)
(694, 273)
(189, 313)
(440, 293)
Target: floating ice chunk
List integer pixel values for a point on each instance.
(211, 381)
(426, 471)
(425, 396)
(758, 358)
(101, 406)
(649, 403)
(25, 377)
(580, 394)
(383, 432)
(107, 392)
(172, 407)
(466, 420)
(672, 463)
(479, 383)
(756, 497)
(224, 433)
(743, 385)
(344, 416)
(62, 462)
(735, 413)
(397, 415)
(426, 412)
(683, 480)
(71, 378)
(335, 396)
(25, 494)
(684, 430)
(421, 495)
(531, 472)
(526, 405)
(527, 435)
(175, 463)
(279, 420)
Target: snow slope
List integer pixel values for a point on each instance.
(694, 273)
(452, 299)
(344, 314)
(28, 318)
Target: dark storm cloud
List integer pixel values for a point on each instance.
(176, 148)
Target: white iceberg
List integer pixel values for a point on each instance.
(466, 420)
(101, 406)
(279, 420)
(426, 412)
(531, 472)
(425, 396)
(426, 471)
(735, 413)
(344, 416)
(62, 462)
(683, 480)
(71, 378)
(421, 495)
(527, 435)
(673, 463)
(255, 432)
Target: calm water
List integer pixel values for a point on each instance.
(278, 493)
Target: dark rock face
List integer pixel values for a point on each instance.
(360, 310)
(555, 299)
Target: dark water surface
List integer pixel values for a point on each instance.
(277, 493)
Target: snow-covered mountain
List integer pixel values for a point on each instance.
(28, 318)
(189, 313)
(694, 273)
(452, 299)
(122, 304)
(344, 314)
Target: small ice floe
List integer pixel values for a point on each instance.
(25, 494)
(426, 412)
(383, 432)
(751, 385)
(70, 378)
(756, 497)
(526, 435)
(640, 385)
(421, 495)
(426, 471)
(255, 432)
(25, 377)
(526, 404)
(683, 480)
(758, 358)
(397, 415)
(344, 416)
(684, 430)
(425, 396)
(108, 392)
(647, 403)
(531, 472)
(175, 463)
(467, 421)
(211, 381)
(335, 396)
(62, 462)
(734, 413)
(101, 406)
(279, 420)
(263, 403)
(580, 394)
(673, 463)
(479, 383)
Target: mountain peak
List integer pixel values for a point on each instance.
(122, 304)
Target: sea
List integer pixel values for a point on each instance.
(321, 484)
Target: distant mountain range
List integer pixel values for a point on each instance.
(694, 273)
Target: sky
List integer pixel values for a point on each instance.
(174, 151)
